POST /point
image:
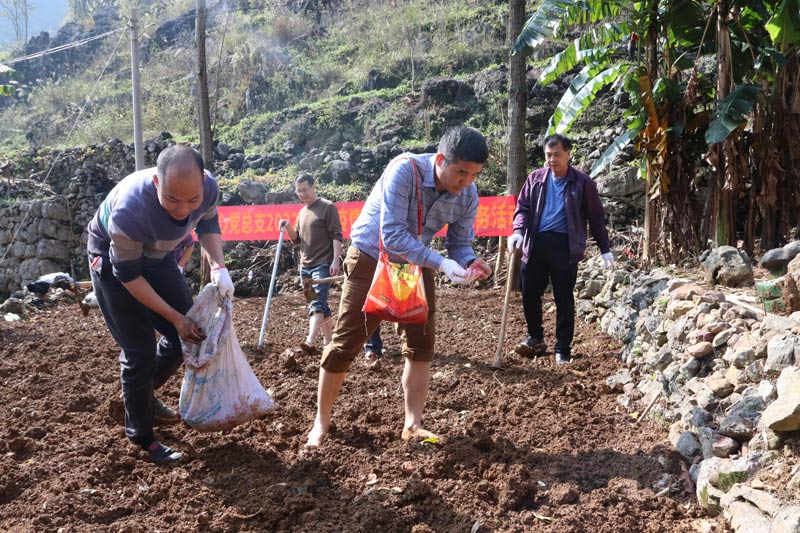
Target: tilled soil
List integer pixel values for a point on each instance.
(537, 447)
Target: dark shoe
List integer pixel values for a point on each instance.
(162, 454)
(309, 349)
(530, 347)
(163, 413)
(563, 358)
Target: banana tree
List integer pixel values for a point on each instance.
(744, 116)
(775, 146)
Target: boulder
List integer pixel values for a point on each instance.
(724, 446)
(777, 259)
(786, 520)
(678, 308)
(784, 413)
(620, 184)
(745, 517)
(51, 249)
(780, 353)
(708, 496)
(252, 192)
(720, 386)
(728, 266)
(687, 445)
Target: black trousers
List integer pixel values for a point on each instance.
(548, 260)
(144, 364)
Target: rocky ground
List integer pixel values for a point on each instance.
(536, 447)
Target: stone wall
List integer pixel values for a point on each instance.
(721, 374)
(55, 195)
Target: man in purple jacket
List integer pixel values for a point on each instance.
(553, 208)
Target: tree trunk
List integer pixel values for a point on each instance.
(726, 178)
(517, 167)
(203, 108)
(650, 208)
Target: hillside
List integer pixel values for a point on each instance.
(279, 73)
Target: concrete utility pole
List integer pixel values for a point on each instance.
(203, 108)
(137, 89)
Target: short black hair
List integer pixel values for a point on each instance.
(557, 138)
(178, 154)
(308, 178)
(462, 143)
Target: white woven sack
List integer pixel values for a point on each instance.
(220, 390)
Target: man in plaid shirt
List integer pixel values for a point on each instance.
(449, 197)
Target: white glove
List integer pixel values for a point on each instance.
(453, 270)
(608, 260)
(514, 242)
(222, 280)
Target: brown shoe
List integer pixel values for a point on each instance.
(309, 349)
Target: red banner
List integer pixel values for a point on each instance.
(260, 222)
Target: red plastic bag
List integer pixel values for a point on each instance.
(397, 293)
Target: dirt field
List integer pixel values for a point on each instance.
(533, 448)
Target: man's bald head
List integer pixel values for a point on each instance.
(179, 160)
(179, 180)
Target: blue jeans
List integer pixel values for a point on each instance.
(375, 344)
(320, 303)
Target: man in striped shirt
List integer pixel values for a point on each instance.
(138, 286)
(448, 196)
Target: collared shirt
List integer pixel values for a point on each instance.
(554, 215)
(391, 209)
(132, 229)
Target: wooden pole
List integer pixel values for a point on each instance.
(498, 356)
(203, 108)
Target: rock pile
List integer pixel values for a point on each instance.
(722, 376)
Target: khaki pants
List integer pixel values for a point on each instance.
(353, 327)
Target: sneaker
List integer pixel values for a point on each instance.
(309, 349)
(162, 454)
(563, 358)
(530, 347)
(163, 413)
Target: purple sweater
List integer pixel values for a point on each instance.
(582, 205)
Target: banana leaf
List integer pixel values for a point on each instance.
(552, 14)
(593, 46)
(566, 61)
(731, 112)
(784, 26)
(580, 94)
(540, 26)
